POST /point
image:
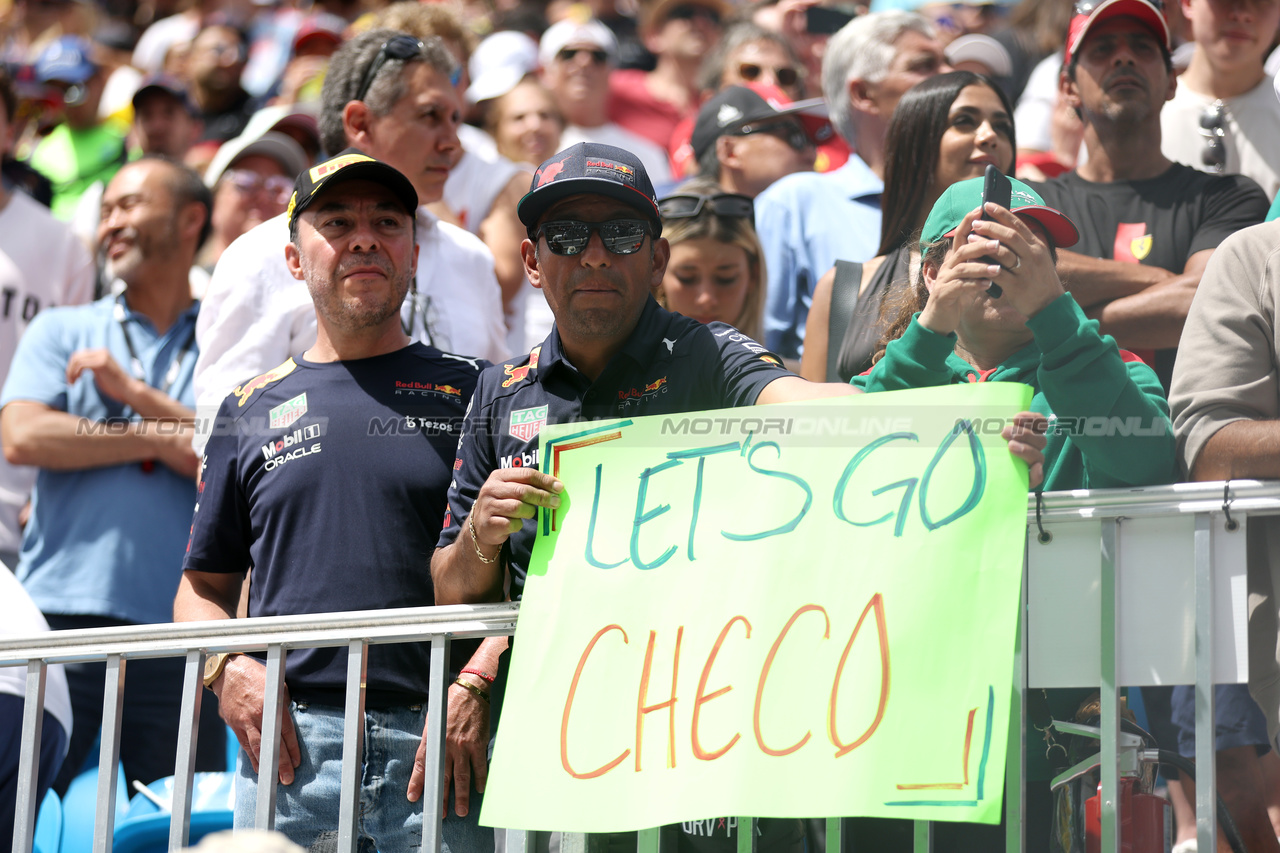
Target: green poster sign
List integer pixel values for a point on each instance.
(782, 611)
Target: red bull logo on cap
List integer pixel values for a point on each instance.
(549, 172)
(328, 167)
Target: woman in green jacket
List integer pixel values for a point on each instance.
(1108, 417)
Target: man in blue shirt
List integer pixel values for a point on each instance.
(807, 221)
(99, 398)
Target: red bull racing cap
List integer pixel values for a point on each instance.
(351, 164)
(590, 168)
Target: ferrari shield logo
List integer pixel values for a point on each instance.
(1140, 246)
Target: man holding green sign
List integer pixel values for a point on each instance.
(595, 250)
(613, 353)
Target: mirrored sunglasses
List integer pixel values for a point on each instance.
(570, 236)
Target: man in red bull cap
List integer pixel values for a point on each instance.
(595, 250)
(355, 434)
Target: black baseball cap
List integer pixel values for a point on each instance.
(171, 86)
(351, 164)
(592, 169)
(735, 106)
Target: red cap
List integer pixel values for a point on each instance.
(812, 113)
(1088, 15)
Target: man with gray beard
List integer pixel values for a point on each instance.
(99, 398)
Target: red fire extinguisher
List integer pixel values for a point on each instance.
(1143, 818)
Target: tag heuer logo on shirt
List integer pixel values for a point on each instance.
(527, 423)
(288, 411)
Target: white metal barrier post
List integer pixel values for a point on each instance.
(1080, 585)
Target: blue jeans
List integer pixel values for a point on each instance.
(307, 810)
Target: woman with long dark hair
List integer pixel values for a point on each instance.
(946, 129)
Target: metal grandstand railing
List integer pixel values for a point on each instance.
(1118, 531)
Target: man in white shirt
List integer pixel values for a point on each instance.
(391, 96)
(41, 264)
(1224, 117)
(576, 60)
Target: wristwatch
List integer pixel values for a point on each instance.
(213, 666)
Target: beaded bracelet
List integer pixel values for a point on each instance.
(479, 674)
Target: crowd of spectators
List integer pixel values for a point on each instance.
(797, 147)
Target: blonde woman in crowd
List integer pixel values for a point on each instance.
(716, 270)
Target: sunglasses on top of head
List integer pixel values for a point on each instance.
(689, 205)
(690, 11)
(401, 47)
(570, 236)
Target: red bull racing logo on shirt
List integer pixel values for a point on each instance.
(519, 374)
(655, 387)
(257, 383)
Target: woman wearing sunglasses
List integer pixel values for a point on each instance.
(716, 271)
(751, 54)
(945, 129)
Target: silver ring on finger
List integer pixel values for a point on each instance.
(1017, 262)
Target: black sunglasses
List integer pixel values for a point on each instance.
(568, 54)
(785, 75)
(687, 12)
(789, 132)
(401, 47)
(1214, 154)
(689, 205)
(570, 236)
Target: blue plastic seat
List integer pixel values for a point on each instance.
(80, 807)
(144, 828)
(48, 824)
